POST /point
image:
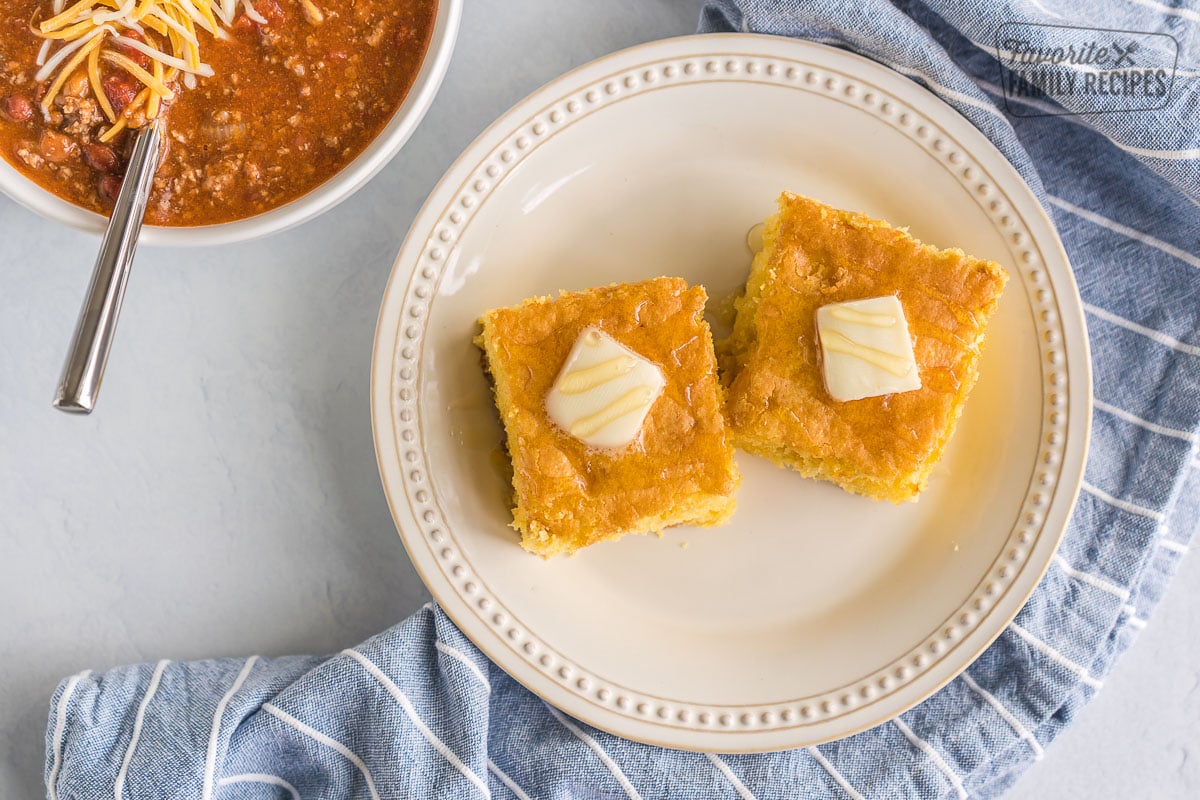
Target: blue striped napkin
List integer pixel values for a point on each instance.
(418, 712)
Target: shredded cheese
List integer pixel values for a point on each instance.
(155, 101)
(95, 32)
(98, 87)
(74, 62)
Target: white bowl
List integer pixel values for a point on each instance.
(333, 191)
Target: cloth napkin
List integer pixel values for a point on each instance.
(418, 712)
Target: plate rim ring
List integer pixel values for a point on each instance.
(476, 154)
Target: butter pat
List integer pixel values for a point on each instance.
(603, 391)
(866, 350)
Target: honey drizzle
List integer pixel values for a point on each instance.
(627, 403)
(585, 379)
(862, 317)
(838, 342)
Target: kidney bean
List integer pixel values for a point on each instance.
(76, 85)
(110, 187)
(18, 108)
(56, 147)
(100, 157)
(137, 56)
(120, 88)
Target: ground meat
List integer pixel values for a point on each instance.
(80, 116)
(220, 175)
(28, 154)
(296, 65)
(17, 75)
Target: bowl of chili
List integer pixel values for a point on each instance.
(274, 110)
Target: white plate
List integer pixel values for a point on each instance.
(814, 613)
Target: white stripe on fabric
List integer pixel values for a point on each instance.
(1150, 333)
(582, 735)
(316, 735)
(60, 726)
(1045, 10)
(1173, 546)
(1049, 109)
(934, 756)
(260, 777)
(461, 656)
(1166, 155)
(1058, 111)
(507, 781)
(210, 760)
(155, 677)
(1178, 12)
(1007, 716)
(1124, 505)
(833, 773)
(1134, 419)
(401, 698)
(1137, 622)
(1099, 583)
(1125, 230)
(737, 785)
(1054, 655)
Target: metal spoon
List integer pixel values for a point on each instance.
(84, 368)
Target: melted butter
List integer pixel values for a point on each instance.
(633, 400)
(840, 343)
(754, 238)
(587, 378)
(866, 349)
(603, 391)
(862, 317)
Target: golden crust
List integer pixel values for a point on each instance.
(882, 447)
(681, 471)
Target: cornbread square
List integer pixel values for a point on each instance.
(678, 471)
(778, 406)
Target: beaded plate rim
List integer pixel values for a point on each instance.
(431, 542)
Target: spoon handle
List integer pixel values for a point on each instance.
(84, 368)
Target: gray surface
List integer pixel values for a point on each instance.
(224, 499)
